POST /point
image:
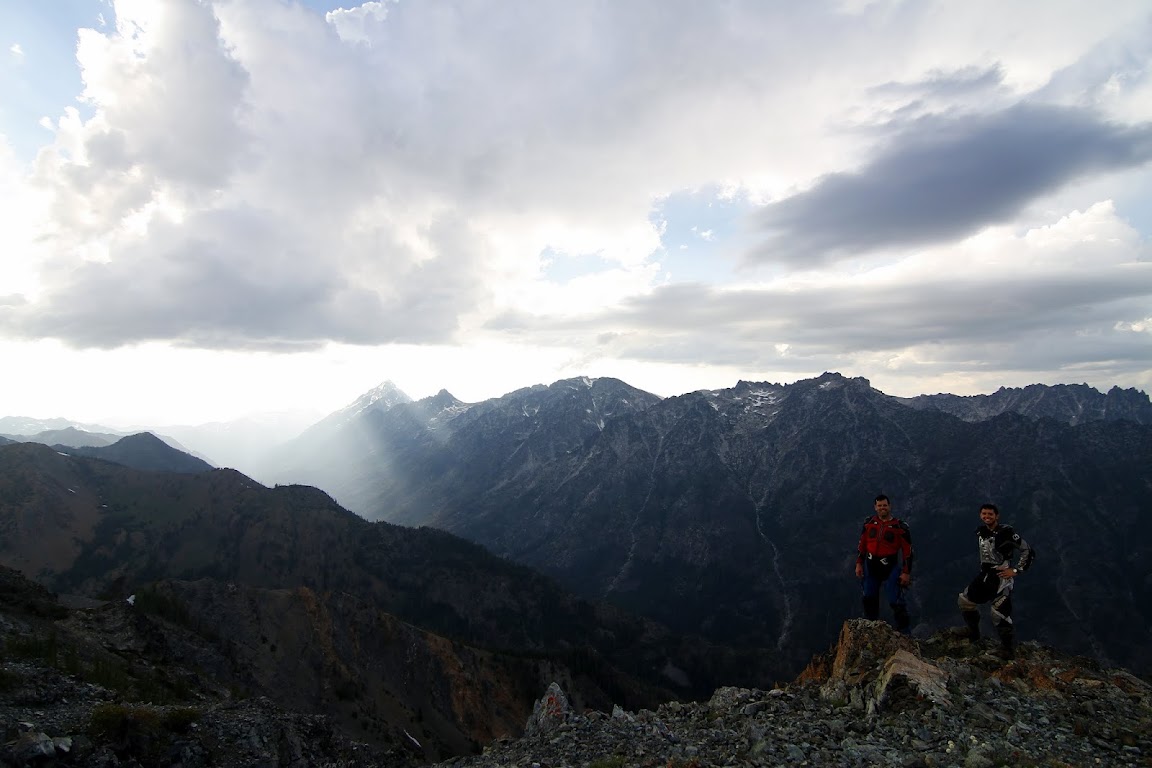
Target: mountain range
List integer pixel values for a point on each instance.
(734, 513)
(666, 546)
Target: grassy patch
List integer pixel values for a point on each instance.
(615, 761)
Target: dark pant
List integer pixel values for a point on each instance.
(989, 587)
(884, 576)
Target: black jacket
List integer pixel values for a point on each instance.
(996, 548)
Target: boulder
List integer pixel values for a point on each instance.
(550, 712)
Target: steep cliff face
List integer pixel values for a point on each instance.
(372, 675)
(735, 512)
(158, 682)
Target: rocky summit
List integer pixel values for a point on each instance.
(876, 698)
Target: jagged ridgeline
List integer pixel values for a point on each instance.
(734, 513)
(280, 592)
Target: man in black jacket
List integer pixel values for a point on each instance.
(994, 583)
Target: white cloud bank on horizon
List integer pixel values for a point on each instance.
(940, 189)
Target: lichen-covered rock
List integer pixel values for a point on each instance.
(550, 712)
(905, 671)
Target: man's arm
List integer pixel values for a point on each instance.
(1026, 553)
(906, 548)
(860, 550)
(905, 554)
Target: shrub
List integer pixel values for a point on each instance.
(8, 680)
(129, 729)
(150, 600)
(180, 719)
(46, 649)
(110, 675)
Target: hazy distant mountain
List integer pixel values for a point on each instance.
(395, 455)
(1069, 403)
(243, 443)
(143, 451)
(25, 425)
(735, 512)
(72, 434)
(69, 436)
(337, 436)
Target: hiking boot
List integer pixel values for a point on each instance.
(1007, 640)
(972, 625)
(901, 619)
(1005, 653)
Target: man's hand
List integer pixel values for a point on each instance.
(859, 571)
(905, 579)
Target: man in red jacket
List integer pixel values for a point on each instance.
(885, 561)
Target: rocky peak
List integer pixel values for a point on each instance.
(833, 380)
(443, 399)
(381, 397)
(875, 698)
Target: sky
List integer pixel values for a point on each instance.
(210, 208)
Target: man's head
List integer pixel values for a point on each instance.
(989, 515)
(882, 506)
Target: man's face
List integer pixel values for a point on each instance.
(989, 518)
(883, 509)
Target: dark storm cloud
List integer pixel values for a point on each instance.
(943, 178)
(987, 320)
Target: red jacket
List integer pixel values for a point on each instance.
(885, 538)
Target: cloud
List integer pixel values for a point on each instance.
(17, 51)
(358, 24)
(253, 174)
(168, 97)
(1073, 294)
(945, 177)
(240, 279)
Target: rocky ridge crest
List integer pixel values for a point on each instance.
(876, 698)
